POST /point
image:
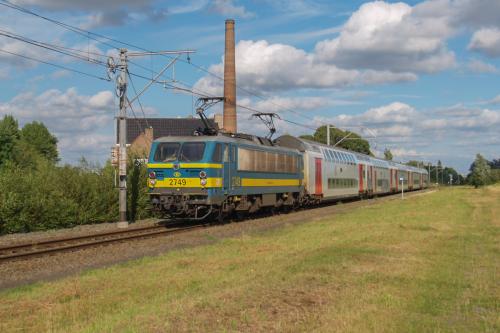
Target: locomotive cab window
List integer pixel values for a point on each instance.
(217, 154)
(192, 151)
(166, 151)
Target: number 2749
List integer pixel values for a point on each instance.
(177, 182)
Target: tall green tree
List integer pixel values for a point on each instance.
(344, 139)
(39, 137)
(9, 135)
(388, 154)
(480, 172)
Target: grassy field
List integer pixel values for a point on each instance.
(428, 263)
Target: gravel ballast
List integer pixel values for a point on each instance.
(21, 272)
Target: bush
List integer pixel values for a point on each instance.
(32, 201)
(49, 197)
(35, 194)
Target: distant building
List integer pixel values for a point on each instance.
(142, 132)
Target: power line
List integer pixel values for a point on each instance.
(138, 100)
(50, 47)
(89, 34)
(201, 93)
(69, 27)
(55, 65)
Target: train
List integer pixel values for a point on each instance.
(216, 176)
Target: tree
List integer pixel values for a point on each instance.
(345, 139)
(388, 154)
(416, 164)
(495, 164)
(39, 137)
(480, 172)
(9, 135)
(307, 137)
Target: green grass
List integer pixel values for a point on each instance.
(428, 263)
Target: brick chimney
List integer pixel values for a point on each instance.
(229, 80)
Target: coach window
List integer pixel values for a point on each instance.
(332, 157)
(325, 155)
(336, 156)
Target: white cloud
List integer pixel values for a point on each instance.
(72, 117)
(478, 66)
(101, 13)
(494, 100)
(412, 133)
(188, 7)
(487, 41)
(97, 13)
(473, 13)
(270, 67)
(228, 8)
(394, 37)
(60, 74)
(84, 124)
(406, 153)
(278, 104)
(394, 113)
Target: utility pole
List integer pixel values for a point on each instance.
(122, 140)
(437, 174)
(429, 174)
(121, 91)
(328, 134)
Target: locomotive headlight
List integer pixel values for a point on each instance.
(152, 175)
(203, 174)
(152, 182)
(203, 182)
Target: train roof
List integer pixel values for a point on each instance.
(308, 145)
(239, 138)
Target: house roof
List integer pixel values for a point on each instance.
(163, 127)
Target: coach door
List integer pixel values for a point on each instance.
(318, 176)
(361, 177)
(370, 179)
(396, 180)
(390, 181)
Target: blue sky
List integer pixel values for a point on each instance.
(418, 77)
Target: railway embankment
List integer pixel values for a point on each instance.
(427, 263)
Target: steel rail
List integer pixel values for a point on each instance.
(29, 250)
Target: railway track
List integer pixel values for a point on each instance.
(68, 244)
(58, 245)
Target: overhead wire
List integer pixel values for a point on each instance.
(98, 37)
(50, 47)
(69, 27)
(55, 65)
(138, 99)
(87, 33)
